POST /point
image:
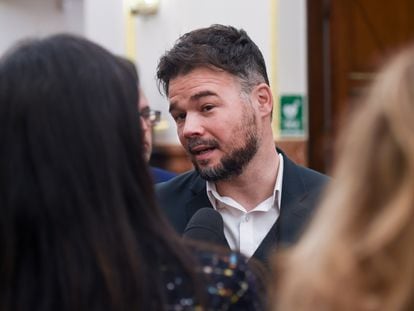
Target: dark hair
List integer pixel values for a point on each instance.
(129, 66)
(217, 46)
(79, 229)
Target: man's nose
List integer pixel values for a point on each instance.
(145, 124)
(192, 126)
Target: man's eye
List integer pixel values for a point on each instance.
(207, 107)
(144, 114)
(179, 117)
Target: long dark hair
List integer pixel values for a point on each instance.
(79, 229)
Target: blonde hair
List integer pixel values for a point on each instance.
(358, 253)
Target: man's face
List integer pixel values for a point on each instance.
(216, 122)
(146, 126)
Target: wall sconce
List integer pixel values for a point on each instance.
(144, 7)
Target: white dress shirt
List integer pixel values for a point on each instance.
(245, 230)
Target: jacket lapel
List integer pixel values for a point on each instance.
(293, 211)
(198, 198)
(286, 229)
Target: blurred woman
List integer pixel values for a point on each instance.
(358, 253)
(79, 229)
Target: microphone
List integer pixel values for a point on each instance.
(206, 225)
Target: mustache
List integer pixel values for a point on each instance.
(196, 141)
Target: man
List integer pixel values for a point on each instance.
(150, 118)
(216, 82)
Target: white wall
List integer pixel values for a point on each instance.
(104, 24)
(35, 18)
(291, 61)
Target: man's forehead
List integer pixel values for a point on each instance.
(199, 83)
(174, 102)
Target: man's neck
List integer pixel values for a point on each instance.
(255, 184)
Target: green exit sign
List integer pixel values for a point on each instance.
(292, 115)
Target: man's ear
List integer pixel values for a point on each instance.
(263, 96)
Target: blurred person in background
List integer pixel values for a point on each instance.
(358, 252)
(79, 229)
(149, 118)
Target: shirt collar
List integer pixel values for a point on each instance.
(213, 195)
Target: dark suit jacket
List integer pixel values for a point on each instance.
(183, 195)
(160, 175)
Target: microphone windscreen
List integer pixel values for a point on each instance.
(206, 225)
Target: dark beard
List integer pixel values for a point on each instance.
(233, 164)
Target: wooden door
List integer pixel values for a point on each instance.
(347, 41)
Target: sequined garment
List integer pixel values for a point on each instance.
(229, 283)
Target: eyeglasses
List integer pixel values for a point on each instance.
(151, 117)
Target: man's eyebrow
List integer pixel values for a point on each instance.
(202, 94)
(172, 106)
(145, 109)
(196, 96)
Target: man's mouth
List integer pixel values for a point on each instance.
(199, 147)
(201, 150)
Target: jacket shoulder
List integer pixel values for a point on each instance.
(173, 197)
(312, 178)
(178, 183)
(309, 178)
